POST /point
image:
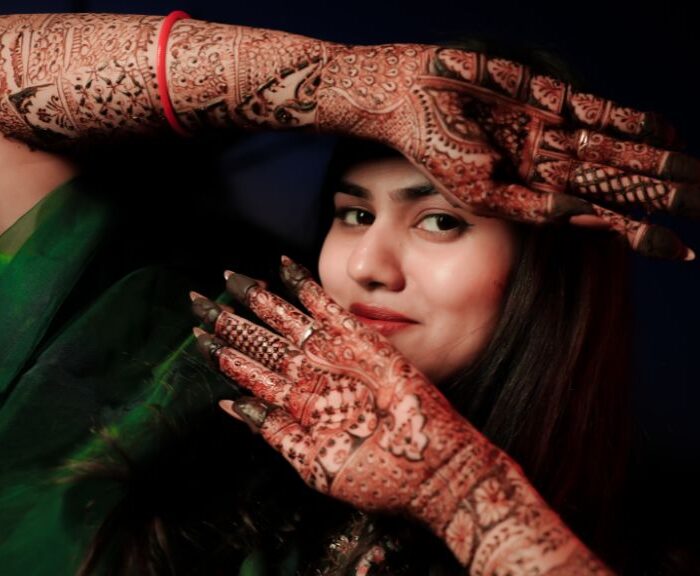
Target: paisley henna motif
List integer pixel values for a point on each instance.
(461, 117)
(360, 423)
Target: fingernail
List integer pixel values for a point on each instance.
(293, 274)
(196, 295)
(659, 242)
(227, 406)
(206, 310)
(228, 274)
(239, 285)
(689, 255)
(252, 410)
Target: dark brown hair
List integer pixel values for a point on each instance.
(552, 387)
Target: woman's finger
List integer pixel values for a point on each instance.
(264, 383)
(598, 182)
(273, 310)
(595, 165)
(269, 349)
(505, 82)
(284, 433)
(516, 202)
(636, 157)
(601, 182)
(314, 298)
(647, 239)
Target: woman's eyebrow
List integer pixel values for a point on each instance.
(353, 189)
(413, 192)
(401, 195)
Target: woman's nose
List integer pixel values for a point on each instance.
(375, 261)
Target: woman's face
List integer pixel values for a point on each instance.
(429, 275)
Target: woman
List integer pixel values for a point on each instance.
(434, 279)
(333, 116)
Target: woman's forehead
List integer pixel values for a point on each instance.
(397, 179)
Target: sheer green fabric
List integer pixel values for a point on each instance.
(114, 370)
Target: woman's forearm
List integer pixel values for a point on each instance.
(67, 77)
(494, 521)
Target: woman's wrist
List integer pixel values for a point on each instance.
(224, 76)
(482, 506)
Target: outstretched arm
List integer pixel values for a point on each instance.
(456, 115)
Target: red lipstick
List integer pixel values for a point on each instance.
(384, 320)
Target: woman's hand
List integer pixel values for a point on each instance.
(360, 423)
(355, 418)
(463, 117)
(455, 114)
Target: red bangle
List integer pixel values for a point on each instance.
(161, 52)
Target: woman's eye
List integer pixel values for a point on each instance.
(441, 223)
(354, 216)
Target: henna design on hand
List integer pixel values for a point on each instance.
(459, 116)
(360, 423)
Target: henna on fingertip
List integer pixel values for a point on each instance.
(293, 275)
(239, 285)
(204, 309)
(322, 307)
(660, 242)
(682, 167)
(227, 406)
(655, 128)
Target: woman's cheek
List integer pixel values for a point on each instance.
(464, 285)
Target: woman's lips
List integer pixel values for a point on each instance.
(384, 320)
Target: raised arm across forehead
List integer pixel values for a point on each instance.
(457, 115)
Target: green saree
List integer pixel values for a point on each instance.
(66, 373)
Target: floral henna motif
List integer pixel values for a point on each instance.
(363, 425)
(225, 75)
(402, 435)
(445, 109)
(69, 75)
(460, 116)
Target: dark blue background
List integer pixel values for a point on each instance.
(637, 53)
